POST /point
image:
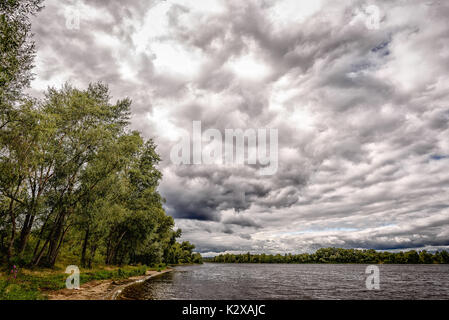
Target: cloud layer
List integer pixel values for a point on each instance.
(362, 112)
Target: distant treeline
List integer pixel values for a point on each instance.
(76, 184)
(338, 255)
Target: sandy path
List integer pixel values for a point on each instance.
(101, 289)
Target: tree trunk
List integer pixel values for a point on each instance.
(55, 243)
(56, 252)
(10, 249)
(92, 255)
(38, 258)
(40, 236)
(83, 251)
(112, 257)
(25, 233)
(53, 239)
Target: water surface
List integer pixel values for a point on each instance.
(294, 281)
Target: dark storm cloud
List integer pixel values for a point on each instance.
(241, 221)
(362, 113)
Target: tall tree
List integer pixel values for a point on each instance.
(17, 51)
(16, 61)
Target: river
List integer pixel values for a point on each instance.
(294, 281)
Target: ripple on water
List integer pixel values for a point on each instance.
(293, 282)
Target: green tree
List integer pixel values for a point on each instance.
(425, 257)
(71, 171)
(16, 53)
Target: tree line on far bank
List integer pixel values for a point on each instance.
(338, 255)
(75, 181)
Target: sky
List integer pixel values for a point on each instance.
(358, 92)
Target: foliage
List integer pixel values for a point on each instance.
(181, 253)
(75, 183)
(72, 173)
(16, 52)
(338, 255)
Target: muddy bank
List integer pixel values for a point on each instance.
(102, 289)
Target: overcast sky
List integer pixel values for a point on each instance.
(361, 106)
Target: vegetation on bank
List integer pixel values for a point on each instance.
(338, 255)
(76, 184)
(33, 285)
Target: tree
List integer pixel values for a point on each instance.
(412, 257)
(71, 171)
(16, 53)
(16, 58)
(425, 257)
(338, 255)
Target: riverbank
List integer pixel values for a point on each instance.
(96, 283)
(103, 289)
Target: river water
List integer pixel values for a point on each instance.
(294, 282)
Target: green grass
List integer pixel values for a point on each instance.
(32, 284)
(19, 291)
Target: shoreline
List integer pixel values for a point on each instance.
(102, 289)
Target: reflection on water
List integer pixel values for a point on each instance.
(293, 282)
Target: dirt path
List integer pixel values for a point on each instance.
(101, 289)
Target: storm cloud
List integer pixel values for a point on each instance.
(361, 108)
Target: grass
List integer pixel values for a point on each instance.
(32, 284)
